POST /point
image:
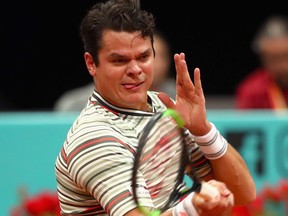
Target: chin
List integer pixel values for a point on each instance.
(135, 98)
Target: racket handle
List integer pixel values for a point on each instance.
(209, 192)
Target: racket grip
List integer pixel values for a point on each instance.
(209, 192)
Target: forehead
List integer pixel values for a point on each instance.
(124, 41)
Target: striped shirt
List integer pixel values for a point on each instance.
(94, 167)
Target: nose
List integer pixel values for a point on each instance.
(134, 68)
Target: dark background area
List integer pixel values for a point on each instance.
(42, 56)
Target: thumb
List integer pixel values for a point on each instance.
(166, 100)
(199, 201)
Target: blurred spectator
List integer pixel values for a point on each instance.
(162, 78)
(76, 99)
(267, 86)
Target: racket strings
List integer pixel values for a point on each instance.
(142, 142)
(162, 148)
(164, 160)
(162, 168)
(166, 144)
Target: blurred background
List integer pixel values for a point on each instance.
(42, 57)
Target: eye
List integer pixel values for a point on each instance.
(144, 57)
(119, 61)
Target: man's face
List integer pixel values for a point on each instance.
(274, 55)
(125, 69)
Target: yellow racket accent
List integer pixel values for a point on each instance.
(174, 114)
(149, 213)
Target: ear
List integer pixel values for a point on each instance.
(90, 63)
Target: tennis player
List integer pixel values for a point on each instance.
(94, 167)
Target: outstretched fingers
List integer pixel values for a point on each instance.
(183, 79)
(197, 82)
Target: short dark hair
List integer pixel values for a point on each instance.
(115, 15)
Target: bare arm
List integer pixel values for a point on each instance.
(232, 169)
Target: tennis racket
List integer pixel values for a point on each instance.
(162, 147)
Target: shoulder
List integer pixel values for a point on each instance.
(256, 81)
(256, 77)
(101, 130)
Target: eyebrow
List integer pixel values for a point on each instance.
(117, 55)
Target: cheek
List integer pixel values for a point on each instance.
(149, 68)
(149, 79)
(106, 80)
(150, 73)
(112, 74)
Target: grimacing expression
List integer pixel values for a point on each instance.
(125, 70)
